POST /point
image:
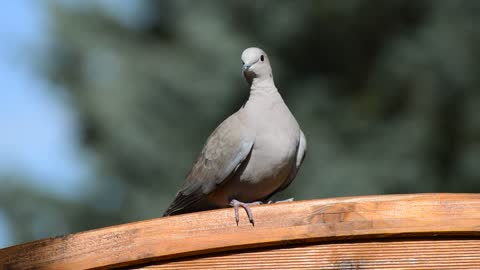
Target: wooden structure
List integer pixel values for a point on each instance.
(419, 231)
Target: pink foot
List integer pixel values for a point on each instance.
(245, 206)
(281, 201)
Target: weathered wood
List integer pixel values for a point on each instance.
(369, 218)
(418, 254)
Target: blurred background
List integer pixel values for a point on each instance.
(104, 105)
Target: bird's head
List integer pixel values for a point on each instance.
(256, 65)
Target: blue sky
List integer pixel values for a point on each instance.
(38, 129)
(38, 138)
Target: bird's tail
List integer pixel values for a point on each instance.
(185, 204)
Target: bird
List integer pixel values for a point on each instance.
(253, 154)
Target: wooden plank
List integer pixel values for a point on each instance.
(276, 224)
(412, 254)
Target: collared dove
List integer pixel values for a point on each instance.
(253, 154)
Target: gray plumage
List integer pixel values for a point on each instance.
(253, 154)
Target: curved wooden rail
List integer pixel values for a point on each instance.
(353, 228)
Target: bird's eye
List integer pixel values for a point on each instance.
(243, 63)
(261, 58)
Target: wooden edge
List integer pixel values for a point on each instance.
(434, 253)
(349, 218)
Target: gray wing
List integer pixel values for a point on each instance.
(225, 150)
(301, 151)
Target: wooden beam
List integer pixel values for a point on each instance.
(436, 254)
(350, 218)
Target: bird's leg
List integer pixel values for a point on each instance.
(281, 201)
(245, 206)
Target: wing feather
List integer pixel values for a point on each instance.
(225, 150)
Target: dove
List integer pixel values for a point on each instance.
(253, 154)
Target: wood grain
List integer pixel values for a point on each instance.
(351, 218)
(419, 254)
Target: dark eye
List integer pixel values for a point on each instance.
(243, 63)
(261, 58)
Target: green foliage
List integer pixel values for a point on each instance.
(385, 91)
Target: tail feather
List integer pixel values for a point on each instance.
(185, 204)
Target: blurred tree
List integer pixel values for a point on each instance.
(386, 92)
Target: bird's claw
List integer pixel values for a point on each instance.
(236, 204)
(235, 207)
(281, 201)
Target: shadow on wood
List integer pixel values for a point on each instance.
(418, 231)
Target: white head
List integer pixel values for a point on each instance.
(256, 65)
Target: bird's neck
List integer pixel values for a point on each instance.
(263, 93)
(262, 86)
